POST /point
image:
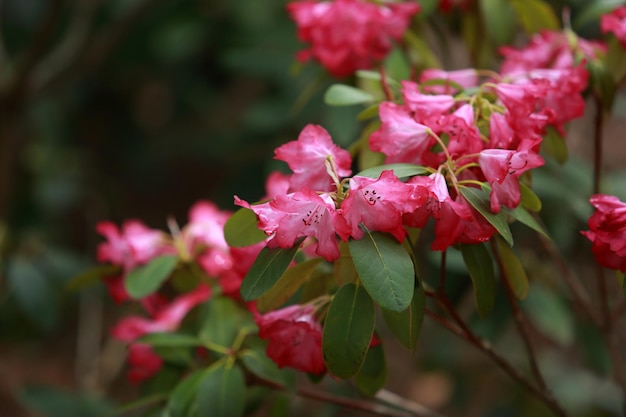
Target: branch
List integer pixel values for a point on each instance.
(462, 331)
(399, 410)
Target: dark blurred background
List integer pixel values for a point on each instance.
(118, 109)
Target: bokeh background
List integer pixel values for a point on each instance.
(119, 109)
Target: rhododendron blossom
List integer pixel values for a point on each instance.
(549, 49)
(608, 231)
(465, 78)
(294, 338)
(166, 319)
(400, 137)
(143, 362)
(615, 23)
(133, 245)
(307, 158)
(301, 214)
(502, 168)
(378, 204)
(347, 35)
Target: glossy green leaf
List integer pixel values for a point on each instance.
(535, 15)
(182, 401)
(554, 145)
(222, 319)
(401, 170)
(222, 391)
(406, 325)
(522, 215)
(343, 268)
(287, 285)
(373, 374)
(348, 330)
(480, 268)
(345, 95)
(479, 199)
(601, 80)
(146, 279)
(529, 200)
(267, 269)
(260, 365)
(241, 229)
(499, 19)
(92, 276)
(514, 271)
(385, 269)
(170, 340)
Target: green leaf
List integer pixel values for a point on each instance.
(91, 276)
(343, 268)
(369, 113)
(514, 271)
(287, 285)
(615, 61)
(222, 391)
(146, 279)
(400, 170)
(385, 269)
(602, 82)
(182, 401)
(54, 402)
(554, 144)
(480, 268)
(241, 229)
(348, 330)
(535, 15)
(522, 215)
(222, 319)
(529, 199)
(479, 199)
(406, 325)
(267, 269)
(260, 365)
(170, 340)
(499, 19)
(373, 374)
(345, 95)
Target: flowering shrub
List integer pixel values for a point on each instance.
(295, 281)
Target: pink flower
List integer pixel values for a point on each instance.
(143, 362)
(378, 204)
(135, 244)
(400, 137)
(502, 169)
(294, 338)
(167, 319)
(289, 217)
(276, 183)
(548, 49)
(615, 22)
(307, 158)
(347, 35)
(425, 107)
(466, 78)
(608, 231)
(206, 226)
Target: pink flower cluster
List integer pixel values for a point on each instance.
(608, 231)
(201, 240)
(347, 35)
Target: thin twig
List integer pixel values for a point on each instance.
(353, 403)
(462, 331)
